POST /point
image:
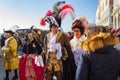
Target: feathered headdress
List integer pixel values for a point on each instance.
(55, 16)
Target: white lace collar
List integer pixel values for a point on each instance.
(6, 41)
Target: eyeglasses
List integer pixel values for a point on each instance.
(76, 30)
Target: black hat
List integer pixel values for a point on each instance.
(9, 31)
(52, 20)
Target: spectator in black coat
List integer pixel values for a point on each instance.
(103, 60)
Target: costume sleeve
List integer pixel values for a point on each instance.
(38, 48)
(71, 44)
(24, 50)
(13, 47)
(45, 44)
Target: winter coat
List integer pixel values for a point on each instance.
(103, 59)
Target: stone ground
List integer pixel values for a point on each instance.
(2, 72)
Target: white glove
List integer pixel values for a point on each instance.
(59, 55)
(58, 48)
(39, 61)
(3, 48)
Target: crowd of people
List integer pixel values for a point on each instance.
(88, 53)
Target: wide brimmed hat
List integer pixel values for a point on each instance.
(9, 31)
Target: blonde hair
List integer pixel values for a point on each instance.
(32, 34)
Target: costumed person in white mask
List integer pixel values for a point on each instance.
(31, 63)
(11, 57)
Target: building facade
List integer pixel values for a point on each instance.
(104, 13)
(116, 14)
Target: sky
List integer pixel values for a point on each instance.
(26, 13)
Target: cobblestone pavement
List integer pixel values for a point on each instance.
(2, 72)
